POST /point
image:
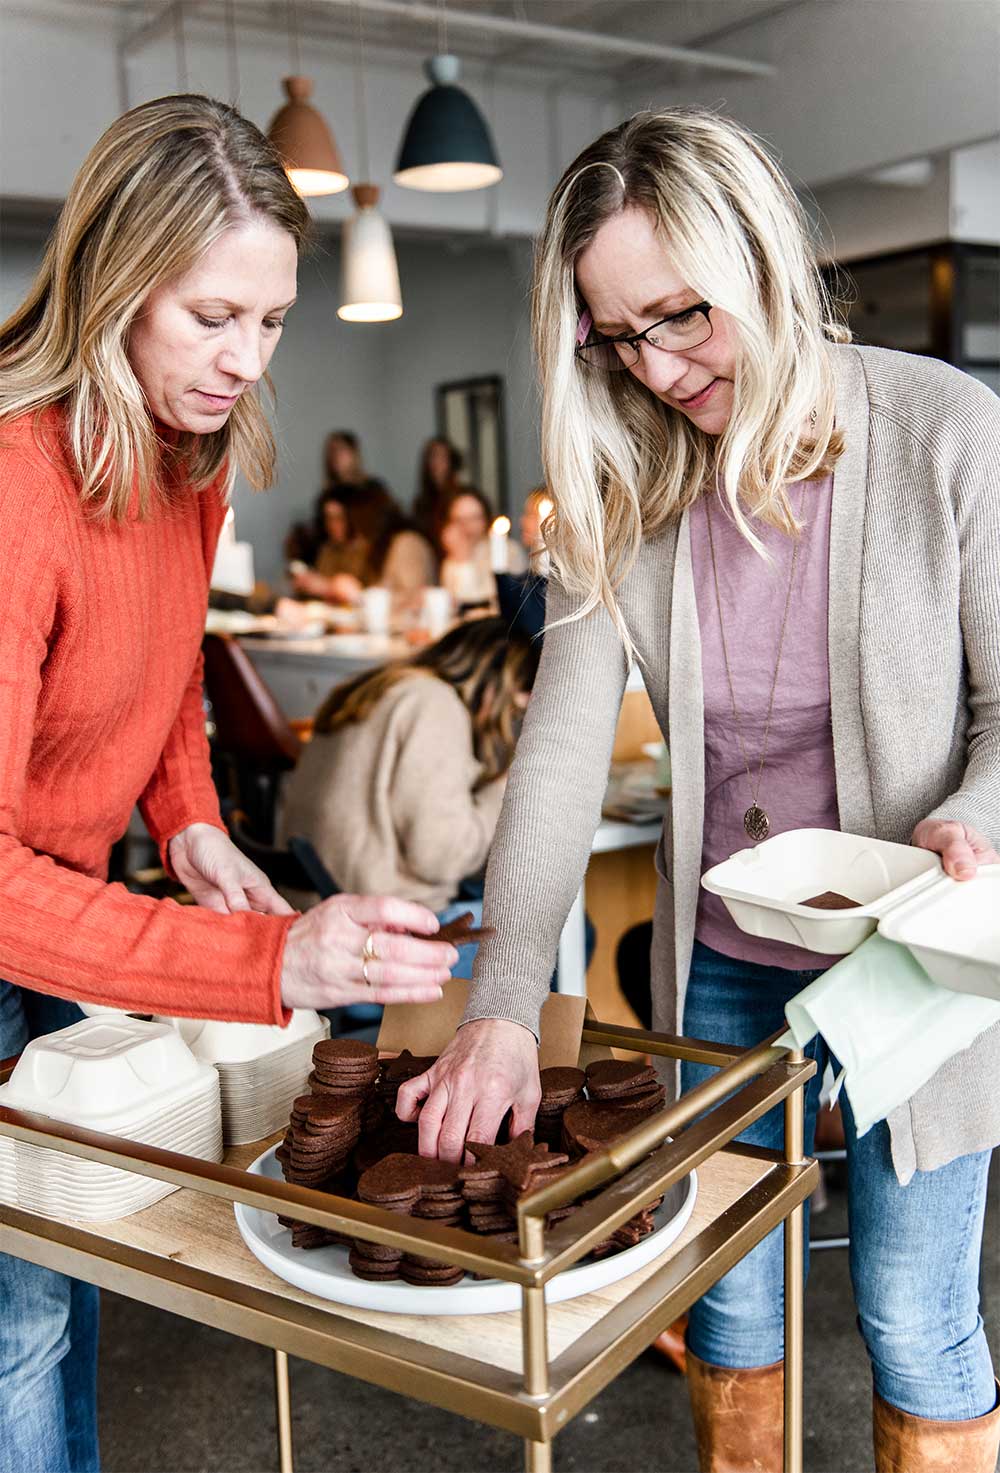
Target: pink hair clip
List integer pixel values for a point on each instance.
(583, 328)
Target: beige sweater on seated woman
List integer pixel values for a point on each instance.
(388, 802)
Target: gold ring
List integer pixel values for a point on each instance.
(364, 971)
(369, 953)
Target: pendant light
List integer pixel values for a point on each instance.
(300, 133)
(447, 145)
(369, 276)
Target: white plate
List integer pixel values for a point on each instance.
(325, 1271)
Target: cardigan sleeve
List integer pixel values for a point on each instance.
(551, 811)
(976, 502)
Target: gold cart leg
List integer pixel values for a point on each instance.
(794, 1290)
(283, 1408)
(537, 1457)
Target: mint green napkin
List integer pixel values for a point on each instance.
(890, 1026)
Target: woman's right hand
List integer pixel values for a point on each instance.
(322, 964)
(490, 1066)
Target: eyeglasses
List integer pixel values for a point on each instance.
(674, 334)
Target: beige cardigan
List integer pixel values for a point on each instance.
(914, 644)
(388, 802)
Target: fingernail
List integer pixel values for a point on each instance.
(964, 870)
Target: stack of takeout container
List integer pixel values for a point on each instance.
(950, 926)
(122, 1077)
(261, 1069)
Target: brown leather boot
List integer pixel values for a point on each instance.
(738, 1416)
(908, 1444)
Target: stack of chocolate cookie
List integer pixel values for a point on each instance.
(501, 1175)
(560, 1089)
(638, 1227)
(625, 1084)
(417, 1187)
(396, 1072)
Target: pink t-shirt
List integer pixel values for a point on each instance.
(798, 788)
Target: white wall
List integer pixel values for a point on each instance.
(975, 192)
(862, 83)
(860, 218)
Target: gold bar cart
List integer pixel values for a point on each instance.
(534, 1369)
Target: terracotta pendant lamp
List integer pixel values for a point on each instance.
(447, 145)
(300, 132)
(369, 276)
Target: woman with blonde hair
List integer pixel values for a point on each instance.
(797, 538)
(402, 782)
(128, 399)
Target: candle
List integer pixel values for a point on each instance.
(499, 533)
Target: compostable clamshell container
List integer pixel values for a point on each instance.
(952, 927)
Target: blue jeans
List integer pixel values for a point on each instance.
(914, 1252)
(48, 1322)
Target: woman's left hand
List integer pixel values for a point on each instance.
(962, 849)
(218, 876)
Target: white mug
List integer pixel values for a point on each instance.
(376, 605)
(437, 611)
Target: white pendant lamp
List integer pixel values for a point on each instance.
(369, 278)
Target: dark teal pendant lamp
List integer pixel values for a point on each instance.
(447, 145)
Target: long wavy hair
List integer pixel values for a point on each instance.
(619, 462)
(163, 183)
(486, 665)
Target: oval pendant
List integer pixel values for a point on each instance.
(756, 823)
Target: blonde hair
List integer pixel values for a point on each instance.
(619, 463)
(163, 183)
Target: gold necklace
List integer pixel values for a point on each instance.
(755, 820)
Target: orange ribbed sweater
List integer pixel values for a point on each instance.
(100, 709)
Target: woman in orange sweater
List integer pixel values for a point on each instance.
(127, 402)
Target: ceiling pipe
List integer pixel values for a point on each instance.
(517, 30)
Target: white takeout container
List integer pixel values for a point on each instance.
(953, 930)
(261, 1068)
(238, 1043)
(123, 1077)
(952, 927)
(103, 1071)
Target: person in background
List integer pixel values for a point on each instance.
(340, 560)
(467, 570)
(128, 401)
(369, 541)
(402, 782)
(342, 467)
(438, 481)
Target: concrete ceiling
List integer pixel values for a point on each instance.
(711, 25)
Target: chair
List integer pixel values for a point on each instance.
(253, 742)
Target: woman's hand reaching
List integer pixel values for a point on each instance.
(325, 964)
(219, 876)
(489, 1066)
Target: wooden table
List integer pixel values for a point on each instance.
(528, 1372)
